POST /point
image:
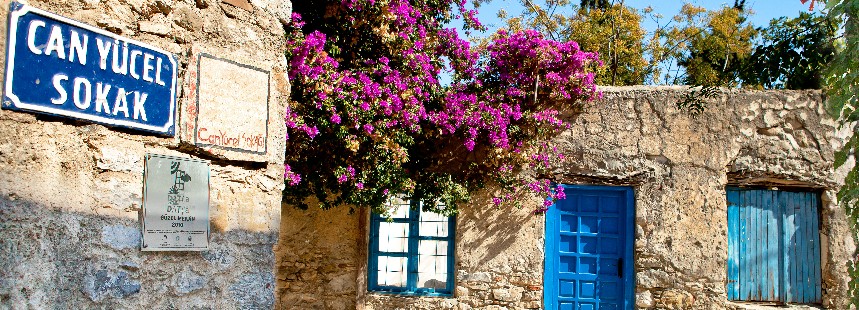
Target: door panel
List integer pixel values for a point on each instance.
(589, 249)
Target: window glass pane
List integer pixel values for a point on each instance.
(427, 216)
(392, 271)
(433, 229)
(398, 207)
(432, 271)
(432, 225)
(429, 261)
(393, 237)
(432, 247)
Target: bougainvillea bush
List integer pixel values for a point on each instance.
(386, 101)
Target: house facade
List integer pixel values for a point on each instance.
(732, 208)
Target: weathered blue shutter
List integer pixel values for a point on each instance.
(803, 284)
(773, 246)
(734, 252)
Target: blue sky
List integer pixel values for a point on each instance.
(764, 10)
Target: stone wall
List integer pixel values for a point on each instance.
(678, 165)
(319, 267)
(71, 191)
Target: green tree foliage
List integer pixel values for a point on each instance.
(842, 83)
(616, 33)
(611, 29)
(594, 4)
(710, 46)
(793, 53)
(696, 47)
(842, 76)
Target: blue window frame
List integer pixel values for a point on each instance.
(412, 253)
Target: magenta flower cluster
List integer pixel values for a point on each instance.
(291, 177)
(376, 126)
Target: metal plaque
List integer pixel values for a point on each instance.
(175, 204)
(58, 66)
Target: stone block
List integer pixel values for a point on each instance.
(254, 291)
(218, 256)
(771, 119)
(461, 291)
(103, 283)
(90, 4)
(119, 158)
(479, 277)
(676, 299)
(129, 265)
(120, 237)
(508, 294)
(188, 19)
(644, 300)
(113, 25)
(532, 295)
(120, 194)
(448, 304)
(160, 29)
(342, 284)
(463, 306)
(477, 286)
(187, 281)
(242, 4)
(652, 278)
(282, 10)
(336, 305)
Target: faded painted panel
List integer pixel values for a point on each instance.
(733, 244)
(232, 106)
(774, 244)
(226, 106)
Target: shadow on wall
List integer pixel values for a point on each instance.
(499, 237)
(62, 260)
(319, 256)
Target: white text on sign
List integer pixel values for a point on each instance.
(116, 55)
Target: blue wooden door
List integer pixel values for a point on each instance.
(589, 244)
(773, 246)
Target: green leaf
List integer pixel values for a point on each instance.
(840, 158)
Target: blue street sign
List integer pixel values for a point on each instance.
(57, 66)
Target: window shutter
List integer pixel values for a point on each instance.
(773, 246)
